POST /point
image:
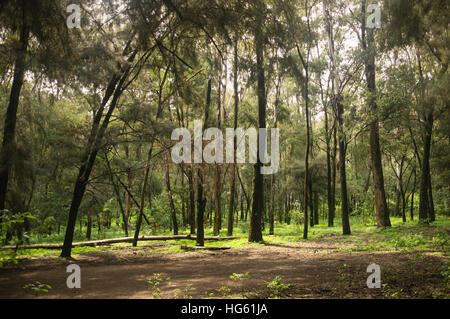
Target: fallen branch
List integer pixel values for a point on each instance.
(114, 241)
(203, 248)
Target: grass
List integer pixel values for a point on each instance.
(365, 236)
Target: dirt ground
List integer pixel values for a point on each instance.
(313, 270)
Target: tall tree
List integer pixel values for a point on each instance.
(255, 231)
(368, 45)
(231, 206)
(40, 20)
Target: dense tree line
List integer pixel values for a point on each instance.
(87, 113)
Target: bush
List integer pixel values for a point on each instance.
(297, 217)
(408, 241)
(441, 240)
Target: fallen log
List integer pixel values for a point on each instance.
(115, 241)
(203, 248)
(217, 237)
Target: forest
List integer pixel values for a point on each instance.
(140, 133)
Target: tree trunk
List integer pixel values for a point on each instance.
(412, 196)
(143, 192)
(430, 199)
(169, 194)
(316, 208)
(255, 231)
(191, 201)
(114, 89)
(218, 167)
(424, 200)
(201, 201)
(117, 192)
(343, 176)
(9, 129)
(375, 153)
(233, 168)
(147, 168)
(89, 225)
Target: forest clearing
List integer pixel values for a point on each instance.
(414, 264)
(224, 149)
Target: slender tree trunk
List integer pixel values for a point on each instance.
(201, 201)
(343, 176)
(191, 201)
(143, 193)
(255, 232)
(412, 195)
(233, 165)
(89, 225)
(169, 194)
(331, 159)
(218, 167)
(183, 200)
(311, 202)
(375, 153)
(117, 192)
(316, 208)
(9, 129)
(114, 89)
(147, 168)
(424, 200)
(430, 199)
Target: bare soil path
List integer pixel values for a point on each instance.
(314, 270)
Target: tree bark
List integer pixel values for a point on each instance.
(9, 129)
(233, 165)
(93, 146)
(169, 194)
(375, 152)
(255, 232)
(191, 201)
(424, 200)
(201, 201)
(343, 176)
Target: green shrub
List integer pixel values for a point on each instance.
(297, 217)
(276, 287)
(411, 240)
(441, 240)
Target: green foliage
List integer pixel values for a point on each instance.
(12, 226)
(276, 287)
(38, 287)
(224, 290)
(236, 276)
(411, 240)
(155, 282)
(297, 217)
(441, 240)
(188, 289)
(343, 273)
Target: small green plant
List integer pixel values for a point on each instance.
(12, 224)
(441, 240)
(276, 287)
(38, 287)
(187, 290)
(445, 272)
(409, 241)
(343, 272)
(236, 276)
(224, 290)
(155, 283)
(297, 217)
